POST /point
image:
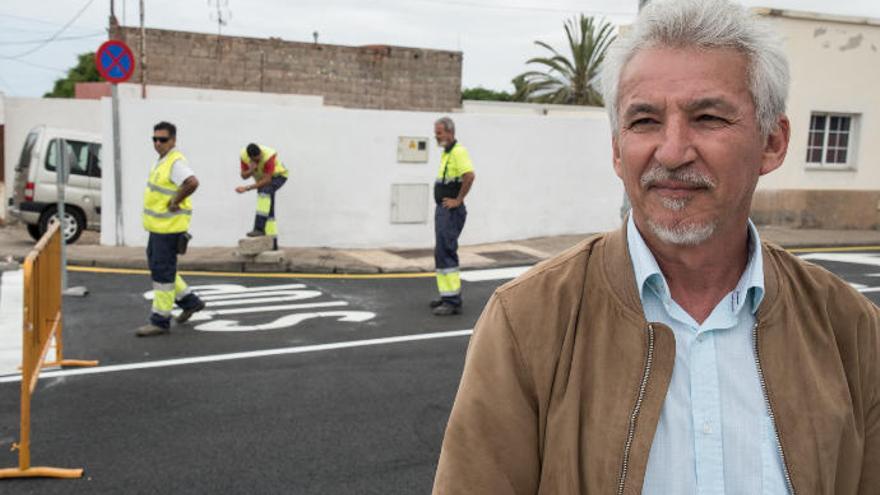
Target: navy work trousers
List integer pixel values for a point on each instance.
(264, 221)
(168, 287)
(448, 224)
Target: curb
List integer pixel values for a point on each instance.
(353, 268)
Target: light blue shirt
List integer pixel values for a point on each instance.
(715, 435)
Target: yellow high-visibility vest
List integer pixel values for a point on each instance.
(265, 154)
(160, 190)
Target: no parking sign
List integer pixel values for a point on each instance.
(114, 61)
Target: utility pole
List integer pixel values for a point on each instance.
(143, 56)
(221, 15)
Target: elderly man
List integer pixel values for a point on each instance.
(679, 355)
(455, 176)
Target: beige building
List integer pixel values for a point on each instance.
(831, 177)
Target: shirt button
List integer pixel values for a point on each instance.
(707, 429)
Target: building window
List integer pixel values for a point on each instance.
(830, 139)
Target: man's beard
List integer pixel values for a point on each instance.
(683, 234)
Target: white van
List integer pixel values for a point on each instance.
(35, 193)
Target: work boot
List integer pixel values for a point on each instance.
(150, 330)
(255, 233)
(435, 302)
(185, 315)
(446, 309)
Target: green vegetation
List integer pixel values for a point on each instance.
(480, 93)
(84, 71)
(569, 80)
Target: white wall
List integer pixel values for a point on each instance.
(130, 90)
(535, 175)
(516, 107)
(23, 114)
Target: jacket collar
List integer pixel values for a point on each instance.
(614, 257)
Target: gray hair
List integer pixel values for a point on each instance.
(705, 24)
(447, 124)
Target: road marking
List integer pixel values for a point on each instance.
(165, 363)
(869, 259)
(493, 274)
(212, 289)
(296, 295)
(208, 314)
(245, 296)
(285, 321)
(11, 315)
(220, 295)
(467, 275)
(337, 276)
(840, 249)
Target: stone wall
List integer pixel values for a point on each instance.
(375, 76)
(814, 209)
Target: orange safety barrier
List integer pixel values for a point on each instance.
(42, 323)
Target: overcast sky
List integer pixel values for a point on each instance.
(496, 36)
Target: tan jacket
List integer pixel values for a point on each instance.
(564, 380)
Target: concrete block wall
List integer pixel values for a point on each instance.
(373, 77)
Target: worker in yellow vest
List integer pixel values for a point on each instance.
(454, 180)
(166, 216)
(262, 163)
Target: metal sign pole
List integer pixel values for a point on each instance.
(61, 174)
(60, 181)
(117, 167)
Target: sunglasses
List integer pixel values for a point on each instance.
(161, 139)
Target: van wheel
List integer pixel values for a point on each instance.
(74, 222)
(34, 231)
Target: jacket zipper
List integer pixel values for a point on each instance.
(770, 410)
(633, 418)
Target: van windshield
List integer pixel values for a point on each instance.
(24, 160)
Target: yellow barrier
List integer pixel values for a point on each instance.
(42, 323)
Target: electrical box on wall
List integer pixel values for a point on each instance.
(409, 203)
(412, 149)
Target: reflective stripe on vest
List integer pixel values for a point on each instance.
(265, 154)
(158, 192)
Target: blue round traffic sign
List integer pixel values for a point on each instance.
(114, 61)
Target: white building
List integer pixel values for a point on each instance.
(831, 177)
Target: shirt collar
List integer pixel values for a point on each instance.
(650, 278)
(449, 147)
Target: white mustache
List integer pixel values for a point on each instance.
(685, 175)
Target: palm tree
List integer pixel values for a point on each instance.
(569, 81)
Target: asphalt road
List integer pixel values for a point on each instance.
(365, 419)
(321, 405)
